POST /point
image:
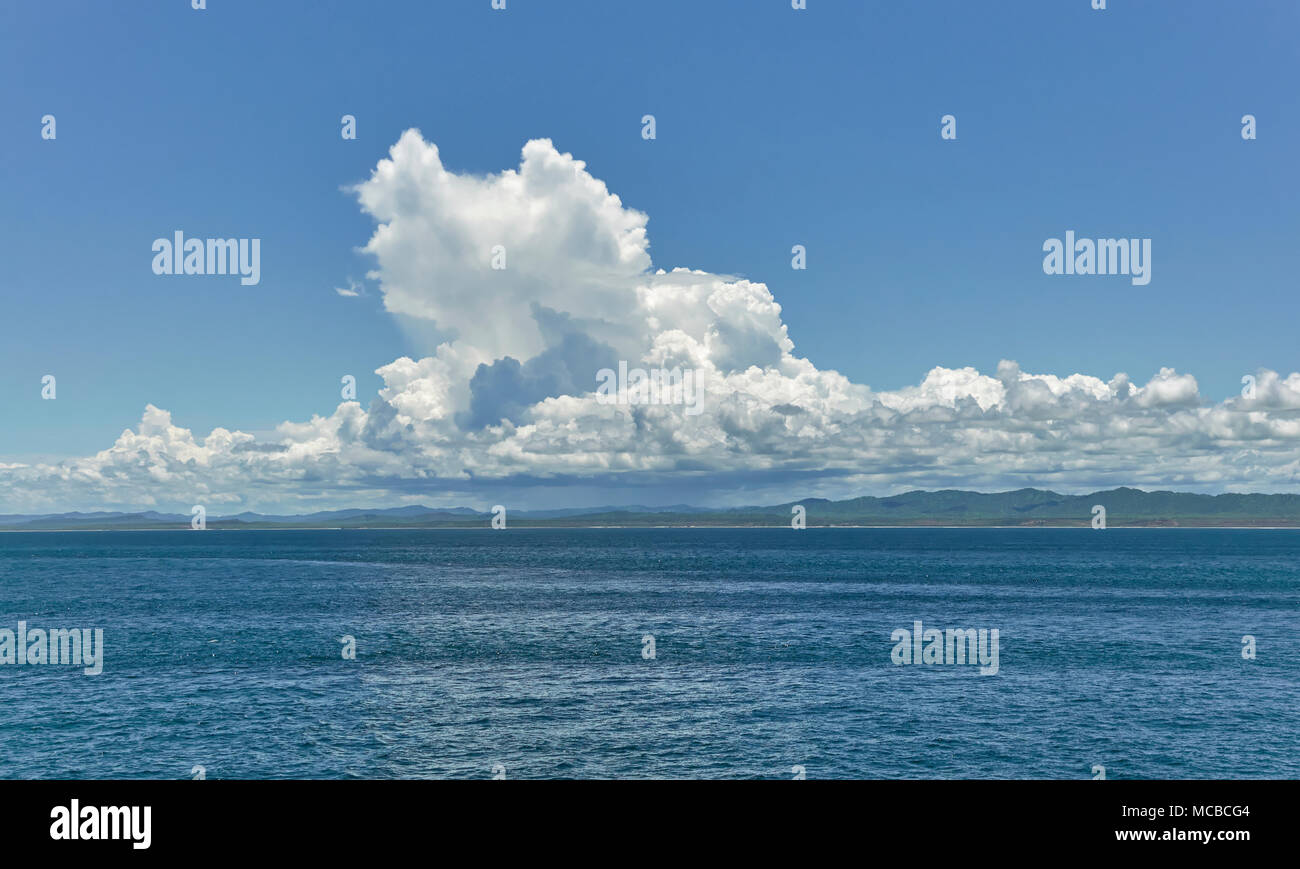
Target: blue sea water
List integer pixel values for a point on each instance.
(523, 648)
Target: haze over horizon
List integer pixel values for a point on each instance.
(924, 506)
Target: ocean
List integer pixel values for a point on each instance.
(655, 653)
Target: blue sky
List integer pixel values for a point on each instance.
(774, 127)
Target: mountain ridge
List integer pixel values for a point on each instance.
(1026, 507)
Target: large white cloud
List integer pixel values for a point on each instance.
(565, 241)
(511, 398)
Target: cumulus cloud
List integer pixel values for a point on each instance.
(352, 290)
(510, 401)
(565, 241)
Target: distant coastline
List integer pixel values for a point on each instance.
(1022, 508)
